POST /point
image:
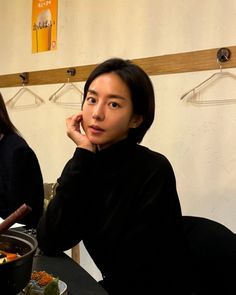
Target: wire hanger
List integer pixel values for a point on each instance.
(35, 100)
(193, 95)
(59, 94)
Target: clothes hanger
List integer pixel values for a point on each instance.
(13, 102)
(193, 95)
(57, 96)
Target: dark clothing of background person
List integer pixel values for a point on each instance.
(123, 204)
(20, 179)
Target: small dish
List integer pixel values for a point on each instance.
(62, 288)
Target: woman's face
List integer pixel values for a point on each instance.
(108, 111)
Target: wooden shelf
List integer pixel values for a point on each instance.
(157, 65)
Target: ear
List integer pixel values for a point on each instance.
(136, 121)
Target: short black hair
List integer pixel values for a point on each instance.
(140, 87)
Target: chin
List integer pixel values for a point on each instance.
(95, 141)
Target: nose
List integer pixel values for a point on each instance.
(98, 112)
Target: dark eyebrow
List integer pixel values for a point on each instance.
(92, 92)
(109, 96)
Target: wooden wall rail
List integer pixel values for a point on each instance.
(158, 65)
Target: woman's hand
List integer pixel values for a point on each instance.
(74, 131)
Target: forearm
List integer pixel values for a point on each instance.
(65, 213)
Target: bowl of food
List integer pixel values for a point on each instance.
(17, 251)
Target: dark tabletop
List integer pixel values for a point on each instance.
(79, 281)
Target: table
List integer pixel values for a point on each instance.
(78, 280)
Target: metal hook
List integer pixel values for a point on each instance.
(25, 77)
(223, 55)
(71, 71)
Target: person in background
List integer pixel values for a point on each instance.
(21, 179)
(116, 195)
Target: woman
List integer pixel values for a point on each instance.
(20, 175)
(115, 195)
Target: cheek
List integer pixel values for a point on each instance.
(85, 119)
(123, 124)
(86, 113)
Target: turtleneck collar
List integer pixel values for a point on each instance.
(116, 154)
(117, 147)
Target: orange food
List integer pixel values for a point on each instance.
(41, 277)
(9, 256)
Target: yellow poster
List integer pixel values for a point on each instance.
(44, 25)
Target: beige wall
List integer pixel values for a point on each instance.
(199, 141)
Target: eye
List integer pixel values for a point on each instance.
(91, 100)
(114, 105)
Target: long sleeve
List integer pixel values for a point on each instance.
(27, 184)
(20, 180)
(63, 223)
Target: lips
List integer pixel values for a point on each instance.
(96, 129)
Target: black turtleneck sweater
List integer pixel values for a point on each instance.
(122, 202)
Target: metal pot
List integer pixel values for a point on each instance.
(15, 275)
